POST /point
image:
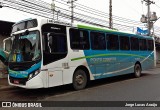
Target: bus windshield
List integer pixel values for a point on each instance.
(25, 47)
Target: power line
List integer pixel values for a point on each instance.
(100, 12)
(43, 10)
(157, 5)
(91, 11)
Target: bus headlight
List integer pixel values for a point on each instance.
(33, 74)
(37, 72)
(30, 76)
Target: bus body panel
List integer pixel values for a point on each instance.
(112, 63)
(55, 72)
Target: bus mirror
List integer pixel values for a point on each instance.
(7, 45)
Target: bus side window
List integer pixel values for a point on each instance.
(150, 45)
(143, 44)
(98, 41)
(124, 43)
(134, 43)
(79, 39)
(112, 42)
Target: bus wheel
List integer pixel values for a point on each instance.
(137, 70)
(79, 79)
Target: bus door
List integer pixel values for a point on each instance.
(55, 52)
(57, 57)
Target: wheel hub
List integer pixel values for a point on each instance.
(79, 79)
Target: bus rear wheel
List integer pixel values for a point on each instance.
(79, 79)
(137, 70)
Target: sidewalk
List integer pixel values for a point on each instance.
(3, 82)
(3, 74)
(3, 79)
(158, 65)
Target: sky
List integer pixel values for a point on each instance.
(131, 9)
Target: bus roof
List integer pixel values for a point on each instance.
(96, 28)
(111, 31)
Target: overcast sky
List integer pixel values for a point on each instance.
(132, 9)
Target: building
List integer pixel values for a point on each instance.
(5, 30)
(157, 40)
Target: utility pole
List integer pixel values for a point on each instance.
(1, 5)
(148, 3)
(110, 15)
(72, 10)
(53, 7)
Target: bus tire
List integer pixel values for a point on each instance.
(137, 70)
(79, 79)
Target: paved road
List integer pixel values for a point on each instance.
(122, 88)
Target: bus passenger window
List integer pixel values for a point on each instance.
(124, 43)
(79, 39)
(150, 45)
(142, 44)
(134, 43)
(112, 42)
(98, 41)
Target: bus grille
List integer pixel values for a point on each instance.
(19, 67)
(21, 81)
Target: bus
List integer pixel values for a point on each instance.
(46, 53)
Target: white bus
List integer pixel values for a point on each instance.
(48, 54)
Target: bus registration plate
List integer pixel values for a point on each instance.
(16, 82)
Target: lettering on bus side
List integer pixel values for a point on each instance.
(102, 60)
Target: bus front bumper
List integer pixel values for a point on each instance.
(33, 83)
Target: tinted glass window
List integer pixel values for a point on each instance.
(25, 25)
(18, 27)
(79, 39)
(150, 44)
(31, 23)
(134, 43)
(98, 41)
(124, 43)
(54, 43)
(142, 44)
(57, 43)
(112, 42)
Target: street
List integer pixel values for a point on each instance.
(121, 88)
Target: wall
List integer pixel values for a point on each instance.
(2, 37)
(158, 55)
